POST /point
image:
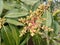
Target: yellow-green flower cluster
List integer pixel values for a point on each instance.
(34, 21)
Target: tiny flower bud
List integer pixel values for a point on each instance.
(40, 33)
(29, 24)
(32, 34)
(30, 11)
(43, 27)
(50, 29)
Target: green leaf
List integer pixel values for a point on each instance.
(8, 6)
(1, 6)
(25, 6)
(48, 17)
(56, 27)
(38, 40)
(27, 37)
(14, 22)
(15, 14)
(30, 2)
(35, 6)
(56, 43)
(15, 33)
(7, 36)
(11, 5)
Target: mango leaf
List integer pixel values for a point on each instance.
(15, 14)
(11, 5)
(30, 2)
(48, 17)
(1, 6)
(14, 22)
(35, 6)
(7, 36)
(15, 33)
(25, 6)
(37, 40)
(8, 6)
(25, 39)
(56, 27)
(56, 43)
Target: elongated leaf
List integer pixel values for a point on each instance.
(37, 40)
(7, 37)
(35, 6)
(56, 43)
(48, 17)
(15, 22)
(56, 27)
(1, 6)
(11, 5)
(15, 33)
(8, 6)
(15, 14)
(25, 40)
(30, 2)
(25, 6)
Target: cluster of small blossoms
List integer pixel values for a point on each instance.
(46, 28)
(1, 22)
(34, 21)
